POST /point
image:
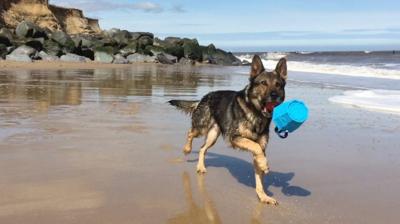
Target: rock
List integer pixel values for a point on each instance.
(122, 37)
(131, 48)
(155, 49)
(144, 41)
(140, 58)
(36, 43)
(5, 37)
(18, 57)
(186, 61)
(24, 50)
(47, 57)
(64, 40)
(51, 47)
(137, 35)
(165, 58)
(177, 51)
(173, 41)
(3, 51)
(103, 57)
(119, 59)
(28, 29)
(217, 56)
(108, 49)
(69, 57)
(192, 50)
(86, 52)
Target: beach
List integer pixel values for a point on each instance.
(101, 145)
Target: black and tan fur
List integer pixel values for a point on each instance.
(241, 117)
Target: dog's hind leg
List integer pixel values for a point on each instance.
(192, 133)
(259, 175)
(210, 140)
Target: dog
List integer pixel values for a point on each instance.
(242, 117)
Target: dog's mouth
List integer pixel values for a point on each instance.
(269, 107)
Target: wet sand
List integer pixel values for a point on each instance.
(102, 146)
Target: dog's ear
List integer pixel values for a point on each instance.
(256, 66)
(281, 68)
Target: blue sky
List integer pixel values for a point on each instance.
(258, 25)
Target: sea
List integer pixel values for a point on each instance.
(370, 79)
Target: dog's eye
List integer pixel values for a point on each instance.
(278, 85)
(264, 83)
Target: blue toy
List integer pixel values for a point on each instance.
(288, 116)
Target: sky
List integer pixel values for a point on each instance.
(257, 25)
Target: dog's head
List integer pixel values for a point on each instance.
(266, 89)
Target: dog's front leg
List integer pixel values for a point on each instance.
(259, 175)
(255, 149)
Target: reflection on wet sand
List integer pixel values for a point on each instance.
(196, 214)
(71, 87)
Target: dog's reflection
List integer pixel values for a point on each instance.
(207, 213)
(197, 214)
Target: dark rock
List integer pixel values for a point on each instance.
(217, 56)
(131, 48)
(154, 49)
(36, 43)
(173, 41)
(103, 57)
(3, 51)
(137, 35)
(18, 57)
(177, 51)
(47, 57)
(119, 59)
(186, 61)
(108, 49)
(140, 58)
(192, 50)
(86, 52)
(5, 37)
(63, 39)
(69, 57)
(51, 47)
(122, 37)
(28, 29)
(144, 41)
(165, 58)
(145, 51)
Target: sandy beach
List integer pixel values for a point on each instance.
(94, 143)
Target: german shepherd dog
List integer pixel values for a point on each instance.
(243, 117)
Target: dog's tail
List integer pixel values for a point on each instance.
(187, 106)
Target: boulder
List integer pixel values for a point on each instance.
(103, 57)
(3, 51)
(64, 40)
(217, 56)
(86, 52)
(131, 48)
(108, 49)
(47, 57)
(18, 57)
(186, 61)
(122, 37)
(24, 50)
(173, 41)
(69, 57)
(51, 47)
(27, 29)
(5, 37)
(36, 43)
(155, 49)
(119, 59)
(165, 58)
(140, 58)
(192, 50)
(137, 35)
(144, 41)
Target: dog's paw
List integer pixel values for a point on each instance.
(268, 200)
(201, 169)
(262, 163)
(187, 149)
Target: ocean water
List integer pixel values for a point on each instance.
(374, 77)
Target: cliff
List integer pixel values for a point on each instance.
(70, 20)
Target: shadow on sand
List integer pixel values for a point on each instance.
(243, 172)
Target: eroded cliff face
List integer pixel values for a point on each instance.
(72, 21)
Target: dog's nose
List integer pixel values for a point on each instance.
(274, 94)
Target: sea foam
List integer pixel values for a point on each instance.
(379, 100)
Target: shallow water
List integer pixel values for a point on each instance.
(102, 146)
